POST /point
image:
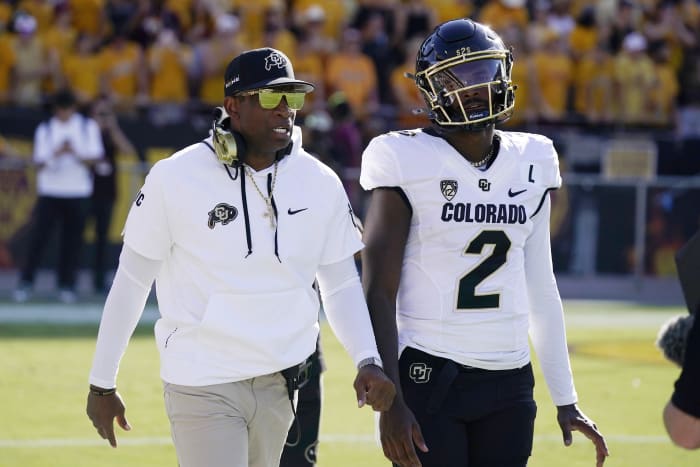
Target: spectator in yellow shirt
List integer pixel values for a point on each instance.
(666, 87)
(634, 81)
(276, 34)
(353, 73)
(555, 75)
(406, 93)
(501, 13)
(123, 71)
(31, 64)
(585, 35)
(7, 64)
(593, 86)
(168, 61)
(211, 57)
(88, 16)
(81, 68)
(524, 76)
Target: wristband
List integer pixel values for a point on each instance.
(370, 361)
(95, 391)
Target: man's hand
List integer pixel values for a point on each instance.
(373, 387)
(102, 410)
(399, 432)
(571, 418)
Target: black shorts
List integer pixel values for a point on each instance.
(469, 417)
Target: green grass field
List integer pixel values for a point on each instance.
(622, 380)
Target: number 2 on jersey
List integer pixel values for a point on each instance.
(467, 299)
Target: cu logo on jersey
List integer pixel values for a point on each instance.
(275, 60)
(419, 372)
(223, 213)
(484, 184)
(448, 189)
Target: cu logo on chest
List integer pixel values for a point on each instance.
(419, 372)
(222, 213)
(484, 184)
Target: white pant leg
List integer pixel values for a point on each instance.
(229, 425)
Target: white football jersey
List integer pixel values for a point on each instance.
(228, 313)
(476, 264)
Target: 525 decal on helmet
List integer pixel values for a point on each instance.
(463, 70)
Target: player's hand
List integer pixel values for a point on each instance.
(102, 410)
(570, 418)
(400, 433)
(374, 388)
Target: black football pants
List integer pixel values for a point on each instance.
(302, 440)
(67, 216)
(469, 417)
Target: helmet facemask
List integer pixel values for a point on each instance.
(470, 90)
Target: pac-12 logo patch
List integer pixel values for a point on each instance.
(223, 213)
(419, 372)
(448, 189)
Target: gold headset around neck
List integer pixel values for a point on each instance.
(227, 147)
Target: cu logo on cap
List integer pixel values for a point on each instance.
(275, 60)
(419, 372)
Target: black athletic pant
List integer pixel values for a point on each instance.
(101, 211)
(302, 440)
(67, 215)
(469, 417)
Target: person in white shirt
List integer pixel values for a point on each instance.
(234, 230)
(457, 266)
(65, 148)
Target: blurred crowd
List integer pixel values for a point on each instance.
(621, 62)
(600, 66)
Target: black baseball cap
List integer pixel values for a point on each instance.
(261, 68)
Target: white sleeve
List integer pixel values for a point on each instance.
(346, 309)
(343, 238)
(122, 311)
(547, 328)
(379, 167)
(147, 229)
(42, 146)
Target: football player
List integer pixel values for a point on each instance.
(457, 266)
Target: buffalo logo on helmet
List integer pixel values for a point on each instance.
(223, 213)
(448, 189)
(275, 60)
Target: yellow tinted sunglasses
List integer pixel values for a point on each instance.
(271, 98)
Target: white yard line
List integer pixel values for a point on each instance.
(325, 438)
(578, 313)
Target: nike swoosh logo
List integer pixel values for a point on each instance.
(512, 193)
(296, 211)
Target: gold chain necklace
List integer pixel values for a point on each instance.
(485, 160)
(268, 199)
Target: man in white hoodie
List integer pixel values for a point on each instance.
(234, 230)
(65, 147)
